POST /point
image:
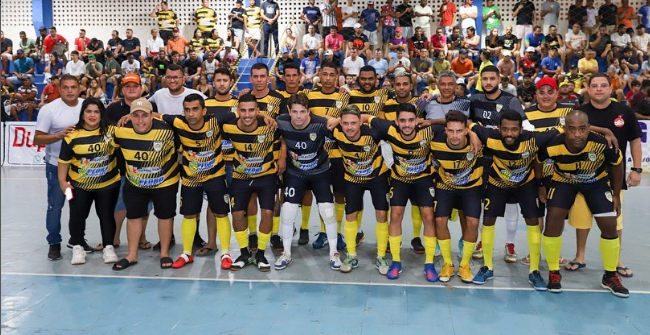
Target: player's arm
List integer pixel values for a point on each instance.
(282, 161)
(612, 141)
(617, 182)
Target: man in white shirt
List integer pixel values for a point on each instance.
(589, 26)
(423, 14)
(75, 66)
(641, 42)
(399, 64)
(353, 64)
(153, 46)
(576, 42)
(550, 13)
(55, 121)
(468, 14)
(312, 41)
(170, 99)
(130, 65)
(350, 17)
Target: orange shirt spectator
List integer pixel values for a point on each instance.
(625, 16)
(178, 44)
(461, 66)
(51, 93)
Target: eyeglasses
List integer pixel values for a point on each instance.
(174, 78)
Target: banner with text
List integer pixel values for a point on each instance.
(19, 147)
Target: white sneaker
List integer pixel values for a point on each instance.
(78, 255)
(282, 262)
(109, 254)
(335, 262)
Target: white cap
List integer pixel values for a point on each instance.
(460, 81)
(530, 49)
(507, 53)
(357, 25)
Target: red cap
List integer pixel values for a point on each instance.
(546, 81)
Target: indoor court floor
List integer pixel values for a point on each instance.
(54, 297)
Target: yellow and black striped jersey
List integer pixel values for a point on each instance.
(391, 106)
(255, 152)
(331, 104)
(286, 95)
(92, 159)
(362, 158)
(151, 158)
(215, 106)
(458, 169)
(214, 44)
(201, 159)
(271, 104)
(547, 120)
(197, 44)
(205, 18)
(166, 19)
(584, 167)
(370, 103)
(253, 17)
(412, 157)
(512, 166)
(147, 70)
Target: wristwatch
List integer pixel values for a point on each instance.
(639, 170)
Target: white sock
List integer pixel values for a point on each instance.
(287, 215)
(512, 219)
(327, 212)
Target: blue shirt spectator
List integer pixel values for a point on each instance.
(370, 16)
(380, 65)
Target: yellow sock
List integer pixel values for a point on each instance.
(350, 231)
(487, 238)
(263, 240)
(252, 224)
(535, 246)
(417, 221)
(340, 212)
(429, 249)
(468, 249)
(395, 244)
(445, 250)
(322, 225)
(552, 250)
(609, 251)
(381, 230)
(306, 213)
(276, 225)
(242, 239)
(188, 230)
(224, 232)
(359, 218)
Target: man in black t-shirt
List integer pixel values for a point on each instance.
(601, 42)
(237, 19)
(526, 92)
(607, 15)
(577, 13)
(115, 45)
(130, 45)
(524, 11)
(406, 18)
(160, 65)
(192, 68)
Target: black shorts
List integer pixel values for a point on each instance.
(379, 192)
(487, 167)
(496, 199)
(468, 200)
(320, 184)
(338, 175)
(137, 200)
(420, 192)
(598, 196)
(241, 190)
(217, 194)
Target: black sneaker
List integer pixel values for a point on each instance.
(304, 237)
(554, 282)
(360, 237)
(172, 243)
(252, 241)
(276, 243)
(612, 282)
(55, 252)
(88, 249)
(416, 245)
(241, 261)
(261, 261)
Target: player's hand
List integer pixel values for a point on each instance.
(426, 96)
(244, 92)
(474, 142)
(633, 179)
(66, 132)
(616, 200)
(271, 123)
(282, 166)
(612, 141)
(124, 120)
(541, 194)
(64, 185)
(332, 123)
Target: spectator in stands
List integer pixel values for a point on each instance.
(635, 87)
(94, 70)
(28, 45)
(400, 64)
(214, 43)
(462, 66)
(197, 43)
(23, 68)
(96, 47)
(55, 43)
(370, 18)
(328, 11)
(552, 65)
(529, 65)
(601, 43)
(42, 34)
(550, 13)
(311, 15)
(526, 92)
(80, 44)
(312, 41)
(6, 46)
(53, 67)
(644, 16)
(423, 14)
(438, 43)
(253, 33)
(468, 14)
(507, 86)
(506, 67)
(75, 67)
(359, 41)
(279, 68)
(535, 39)
(209, 66)
(379, 63)
(24, 99)
(352, 64)
(422, 68)
(641, 42)
(566, 95)
(472, 42)
(205, 18)
(510, 42)
(270, 14)
(576, 42)
(154, 44)
(441, 64)
(6, 96)
(554, 40)
(491, 43)
(397, 42)
(350, 19)
(290, 42)
(575, 78)
(404, 12)
(50, 92)
(95, 91)
(492, 17)
(192, 69)
(115, 44)
(625, 14)
(130, 65)
(417, 42)
(645, 70)
(177, 43)
(204, 86)
(309, 68)
(148, 76)
(484, 59)
(334, 42)
(388, 18)
(607, 16)
(616, 82)
(112, 72)
(455, 42)
(176, 59)
(237, 18)
(524, 11)
(130, 45)
(167, 20)
(170, 99)
(620, 40)
(233, 39)
(577, 14)
(160, 65)
(590, 25)
(630, 65)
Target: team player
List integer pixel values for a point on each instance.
(582, 164)
(307, 168)
(459, 184)
(150, 154)
(364, 171)
(256, 166)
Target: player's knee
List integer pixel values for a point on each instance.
(288, 213)
(326, 210)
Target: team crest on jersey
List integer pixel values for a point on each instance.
(470, 155)
(107, 138)
(432, 191)
(233, 109)
(339, 103)
(312, 136)
(270, 107)
(377, 99)
(525, 154)
(261, 138)
(366, 148)
(608, 195)
(157, 145)
(423, 143)
(209, 133)
(591, 156)
(562, 121)
(499, 107)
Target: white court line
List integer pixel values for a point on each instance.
(274, 281)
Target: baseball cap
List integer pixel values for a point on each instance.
(93, 56)
(546, 81)
(329, 53)
(175, 30)
(507, 53)
(357, 25)
(228, 44)
(530, 49)
(20, 51)
(462, 51)
(460, 81)
(371, 2)
(574, 66)
(398, 29)
(284, 50)
(564, 83)
(42, 28)
(131, 78)
(141, 104)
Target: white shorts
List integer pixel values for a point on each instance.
(253, 33)
(372, 36)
